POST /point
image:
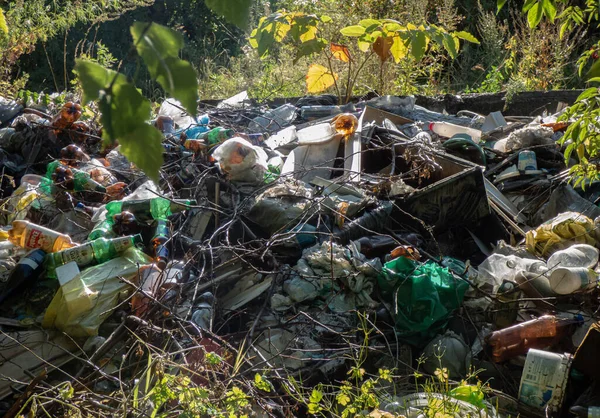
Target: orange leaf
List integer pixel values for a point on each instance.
(340, 52)
(319, 78)
(382, 47)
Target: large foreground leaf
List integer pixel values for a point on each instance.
(159, 47)
(125, 113)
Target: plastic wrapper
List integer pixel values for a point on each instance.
(241, 161)
(561, 232)
(423, 295)
(83, 303)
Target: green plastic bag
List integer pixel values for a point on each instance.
(422, 295)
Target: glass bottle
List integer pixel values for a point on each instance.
(95, 252)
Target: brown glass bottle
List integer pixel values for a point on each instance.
(538, 333)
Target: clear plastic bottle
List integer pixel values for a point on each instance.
(31, 236)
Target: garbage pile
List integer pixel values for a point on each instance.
(275, 237)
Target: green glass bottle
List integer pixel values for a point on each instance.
(149, 209)
(95, 252)
(217, 135)
(158, 244)
(103, 229)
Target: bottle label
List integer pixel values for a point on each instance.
(122, 244)
(83, 255)
(40, 237)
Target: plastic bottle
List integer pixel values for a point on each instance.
(26, 271)
(95, 252)
(578, 255)
(31, 236)
(217, 135)
(88, 210)
(274, 119)
(537, 333)
(567, 280)
(150, 279)
(68, 115)
(162, 234)
(448, 130)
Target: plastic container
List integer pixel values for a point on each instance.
(316, 134)
(567, 280)
(448, 130)
(527, 161)
(544, 380)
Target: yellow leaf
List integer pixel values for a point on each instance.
(319, 79)
(340, 52)
(398, 49)
(364, 46)
(310, 34)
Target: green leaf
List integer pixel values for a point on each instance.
(234, 11)
(326, 19)
(594, 80)
(534, 15)
(594, 70)
(144, 148)
(367, 23)
(125, 113)
(590, 92)
(159, 46)
(500, 4)
(528, 5)
(418, 45)
(549, 9)
(466, 36)
(313, 46)
(353, 31)
(450, 45)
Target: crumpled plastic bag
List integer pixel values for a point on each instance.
(423, 295)
(529, 136)
(83, 303)
(561, 232)
(241, 161)
(341, 276)
(282, 206)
